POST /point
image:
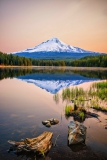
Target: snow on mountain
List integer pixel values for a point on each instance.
(53, 45)
(55, 49)
(54, 86)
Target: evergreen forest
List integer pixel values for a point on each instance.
(89, 61)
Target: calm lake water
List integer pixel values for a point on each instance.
(26, 98)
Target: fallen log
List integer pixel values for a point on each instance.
(40, 145)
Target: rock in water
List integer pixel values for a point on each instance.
(76, 133)
(56, 121)
(53, 121)
(50, 122)
(45, 122)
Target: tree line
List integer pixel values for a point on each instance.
(90, 61)
(10, 59)
(13, 60)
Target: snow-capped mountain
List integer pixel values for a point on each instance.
(54, 45)
(54, 48)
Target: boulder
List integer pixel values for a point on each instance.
(76, 132)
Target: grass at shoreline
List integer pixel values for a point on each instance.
(94, 97)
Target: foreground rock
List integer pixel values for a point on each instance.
(50, 122)
(76, 133)
(39, 145)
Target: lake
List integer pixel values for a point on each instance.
(26, 99)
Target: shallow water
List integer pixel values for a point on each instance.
(24, 105)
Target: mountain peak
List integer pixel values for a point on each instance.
(51, 46)
(56, 40)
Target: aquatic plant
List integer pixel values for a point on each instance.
(81, 115)
(100, 90)
(42, 153)
(68, 109)
(73, 94)
(97, 94)
(66, 94)
(101, 85)
(81, 109)
(56, 98)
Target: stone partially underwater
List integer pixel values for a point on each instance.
(39, 145)
(76, 133)
(49, 122)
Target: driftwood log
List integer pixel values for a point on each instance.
(39, 145)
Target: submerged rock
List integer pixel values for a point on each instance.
(53, 121)
(56, 121)
(50, 122)
(45, 122)
(76, 133)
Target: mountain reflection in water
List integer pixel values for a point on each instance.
(53, 80)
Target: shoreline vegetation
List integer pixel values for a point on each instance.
(81, 98)
(89, 61)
